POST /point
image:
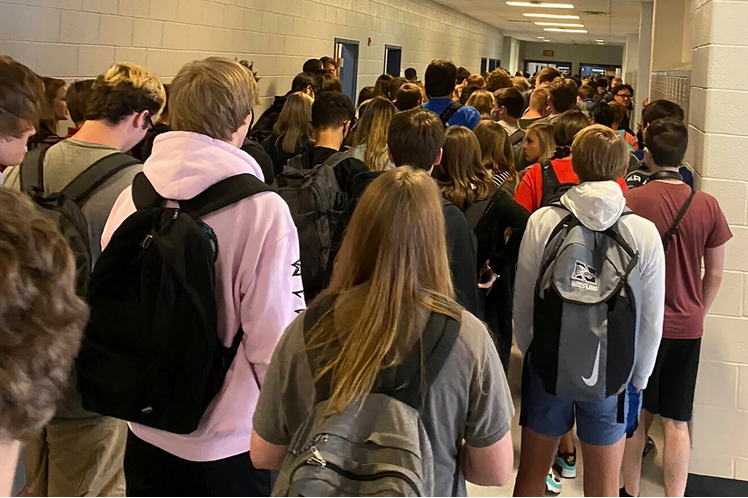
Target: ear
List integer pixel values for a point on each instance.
(138, 120)
(438, 160)
(592, 120)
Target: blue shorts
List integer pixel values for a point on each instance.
(634, 408)
(597, 421)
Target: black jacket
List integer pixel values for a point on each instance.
(462, 246)
(263, 128)
(273, 146)
(258, 154)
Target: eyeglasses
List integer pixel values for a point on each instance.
(624, 95)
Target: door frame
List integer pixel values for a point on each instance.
(386, 53)
(346, 41)
(534, 61)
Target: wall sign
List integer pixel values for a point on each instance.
(548, 53)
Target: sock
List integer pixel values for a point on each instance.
(623, 492)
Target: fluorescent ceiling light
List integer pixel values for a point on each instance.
(550, 16)
(599, 41)
(541, 37)
(541, 5)
(562, 30)
(560, 24)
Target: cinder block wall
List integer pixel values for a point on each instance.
(718, 148)
(80, 38)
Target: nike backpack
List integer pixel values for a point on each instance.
(64, 207)
(585, 315)
(376, 448)
(316, 203)
(151, 352)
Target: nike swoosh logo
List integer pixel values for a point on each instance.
(592, 380)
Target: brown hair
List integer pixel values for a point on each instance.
(330, 83)
(586, 92)
(483, 101)
(544, 132)
(499, 78)
(372, 130)
(461, 174)
(125, 89)
(598, 154)
(51, 87)
(213, 97)
(548, 74)
(394, 259)
(394, 87)
(619, 112)
(79, 94)
(539, 99)
(566, 128)
(408, 97)
(496, 150)
(295, 121)
(476, 80)
(21, 93)
(41, 318)
(520, 83)
(415, 138)
(382, 86)
(563, 94)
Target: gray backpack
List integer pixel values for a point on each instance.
(316, 203)
(380, 447)
(585, 315)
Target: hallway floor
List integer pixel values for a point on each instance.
(652, 484)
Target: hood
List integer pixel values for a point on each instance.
(598, 205)
(184, 164)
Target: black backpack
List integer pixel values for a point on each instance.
(151, 352)
(316, 203)
(553, 189)
(450, 111)
(64, 207)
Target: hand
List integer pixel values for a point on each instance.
(487, 277)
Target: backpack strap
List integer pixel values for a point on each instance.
(449, 111)
(143, 193)
(296, 163)
(95, 175)
(224, 193)
(550, 180)
(31, 170)
(673, 230)
(336, 159)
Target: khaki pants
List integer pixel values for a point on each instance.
(77, 458)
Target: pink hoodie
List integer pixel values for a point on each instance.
(258, 283)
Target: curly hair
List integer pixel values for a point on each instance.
(41, 317)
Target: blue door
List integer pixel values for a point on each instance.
(347, 54)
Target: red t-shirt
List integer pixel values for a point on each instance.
(704, 226)
(530, 190)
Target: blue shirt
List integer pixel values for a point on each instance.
(466, 116)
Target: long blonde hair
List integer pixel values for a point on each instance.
(295, 120)
(544, 132)
(461, 174)
(372, 130)
(395, 253)
(497, 153)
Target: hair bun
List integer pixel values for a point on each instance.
(562, 151)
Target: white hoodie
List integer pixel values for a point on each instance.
(598, 206)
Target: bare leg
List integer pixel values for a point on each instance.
(566, 445)
(648, 419)
(602, 467)
(677, 454)
(536, 457)
(632, 461)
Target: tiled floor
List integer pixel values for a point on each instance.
(651, 470)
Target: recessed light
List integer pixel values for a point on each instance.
(551, 16)
(563, 30)
(560, 24)
(541, 5)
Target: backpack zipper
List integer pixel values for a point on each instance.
(317, 460)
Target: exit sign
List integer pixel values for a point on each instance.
(548, 53)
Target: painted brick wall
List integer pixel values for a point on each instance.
(718, 151)
(80, 38)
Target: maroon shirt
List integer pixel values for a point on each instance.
(704, 226)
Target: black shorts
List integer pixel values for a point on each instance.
(671, 387)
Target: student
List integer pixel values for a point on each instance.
(440, 86)
(55, 110)
(411, 75)
(619, 115)
(483, 102)
(394, 87)
(497, 155)
(532, 191)
(586, 97)
(602, 90)
(314, 67)
(541, 80)
(415, 139)
(496, 220)
(476, 80)
(537, 109)
(80, 452)
(462, 75)
(408, 97)
(507, 112)
(393, 270)
(623, 94)
(144, 148)
(382, 85)
(601, 113)
(465, 92)
(653, 111)
(255, 270)
(330, 83)
(598, 158)
(293, 133)
(303, 82)
(369, 138)
(520, 84)
(562, 96)
(77, 98)
(498, 79)
(702, 232)
(21, 95)
(329, 65)
(538, 145)
(366, 93)
(42, 317)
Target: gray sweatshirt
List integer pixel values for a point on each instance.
(598, 206)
